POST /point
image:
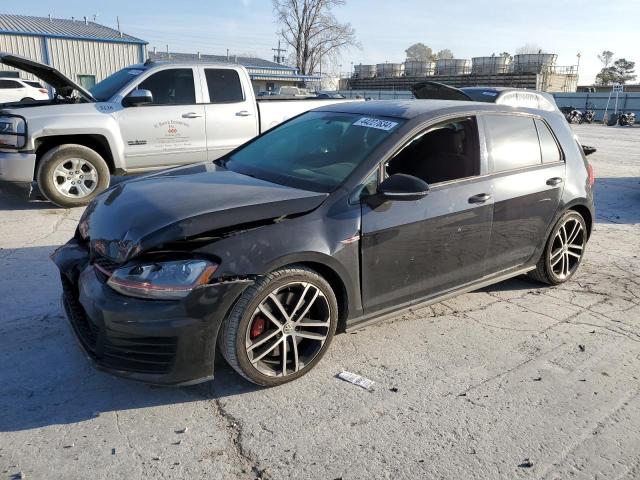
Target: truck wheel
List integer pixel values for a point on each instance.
(72, 175)
(280, 327)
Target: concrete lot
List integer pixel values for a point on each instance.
(484, 381)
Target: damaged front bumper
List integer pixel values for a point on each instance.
(160, 342)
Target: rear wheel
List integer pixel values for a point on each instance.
(280, 327)
(564, 250)
(72, 175)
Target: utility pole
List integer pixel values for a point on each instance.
(279, 57)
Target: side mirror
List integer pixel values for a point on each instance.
(137, 98)
(403, 187)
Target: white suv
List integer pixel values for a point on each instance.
(20, 90)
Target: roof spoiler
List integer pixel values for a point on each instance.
(429, 90)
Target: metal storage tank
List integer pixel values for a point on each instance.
(453, 66)
(490, 65)
(364, 71)
(534, 62)
(415, 68)
(390, 69)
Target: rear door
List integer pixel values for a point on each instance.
(414, 249)
(171, 130)
(528, 171)
(231, 113)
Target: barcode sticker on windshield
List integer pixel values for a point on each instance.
(375, 123)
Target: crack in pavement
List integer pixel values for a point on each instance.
(236, 437)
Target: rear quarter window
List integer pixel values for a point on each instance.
(548, 145)
(512, 142)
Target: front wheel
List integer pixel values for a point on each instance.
(564, 250)
(72, 175)
(280, 327)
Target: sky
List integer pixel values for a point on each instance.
(384, 29)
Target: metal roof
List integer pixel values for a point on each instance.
(247, 62)
(62, 28)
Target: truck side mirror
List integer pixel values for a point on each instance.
(137, 98)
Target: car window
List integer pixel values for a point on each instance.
(512, 142)
(447, 151)
(33, 84)
(224, 85)
(315, 151)
(9, 84)
(107, 88)
(171, 87)
(548, 146)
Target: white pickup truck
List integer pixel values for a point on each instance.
(143, 117)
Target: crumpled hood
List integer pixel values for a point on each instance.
(184, 202)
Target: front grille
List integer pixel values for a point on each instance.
(117, 350)
(105, 264)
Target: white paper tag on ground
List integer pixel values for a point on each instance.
(375, 123)
(356, 379)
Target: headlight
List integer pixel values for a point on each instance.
(162, 280)
(12, 132)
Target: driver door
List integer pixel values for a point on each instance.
(171, 130)
(415, 249)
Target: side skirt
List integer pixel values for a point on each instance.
(385, 314)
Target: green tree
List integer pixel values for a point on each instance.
(445, 54)
(419, 52)
(621, 71)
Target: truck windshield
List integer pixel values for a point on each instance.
(107, 88)
(316, 151)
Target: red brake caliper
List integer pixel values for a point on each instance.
(257, 327)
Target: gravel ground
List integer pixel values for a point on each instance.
(516, 380)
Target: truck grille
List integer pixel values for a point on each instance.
(117, 350)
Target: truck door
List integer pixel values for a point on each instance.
(231, 112)
(169, 131)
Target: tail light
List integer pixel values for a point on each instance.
(592, 176)
(43, 90)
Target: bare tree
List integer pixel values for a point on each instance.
(528, 48)
(312, 30)
(419, 52)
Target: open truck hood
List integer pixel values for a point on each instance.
(438, 91)
(186, 202)
(63, 85)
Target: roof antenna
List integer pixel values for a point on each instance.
(119, 31)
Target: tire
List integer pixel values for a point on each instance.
(551, 268)
(240, 341)
(27, 99)
(89, 179)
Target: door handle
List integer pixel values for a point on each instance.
(242, 113)
(191, 115)
(480, 198)
(554, 181)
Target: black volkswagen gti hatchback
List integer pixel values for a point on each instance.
(336, 218)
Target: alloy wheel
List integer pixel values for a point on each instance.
(567, 248)
(75, 178)
(288, 329)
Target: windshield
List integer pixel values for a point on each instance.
(104, 90)
(316, 151)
